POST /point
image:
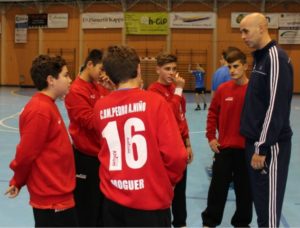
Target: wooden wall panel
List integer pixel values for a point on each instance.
(189, 44)
(18, 57)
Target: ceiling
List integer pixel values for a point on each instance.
(127, 4)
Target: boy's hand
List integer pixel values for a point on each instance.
(190, 154)
(179, 81)
(214, 145)
(12, 191)
(106, 82)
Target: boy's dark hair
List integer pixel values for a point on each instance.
(120, 63)
(228, 50)
(95, 56)
(165, 58)
(235, 55)
(43, 66)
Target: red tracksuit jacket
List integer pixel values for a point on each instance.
(177, 103)
(80, 102)
(44, 158)
(224, 115)
(142, 155)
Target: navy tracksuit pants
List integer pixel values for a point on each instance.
(268, 184)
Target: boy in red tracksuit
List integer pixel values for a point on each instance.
(142, 155)
(229, 164)
(44, 159)
(170, 86)
(80, 102)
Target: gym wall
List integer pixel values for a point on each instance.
(191, 45)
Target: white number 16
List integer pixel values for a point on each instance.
(111, 134)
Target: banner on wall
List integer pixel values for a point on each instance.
(146, 23)
(194, 20)
(21, 25)
(58, 20)
(272, 18)
(289, 32)
(102, 20)
(37, 20)
(289, 36)
(289, 20)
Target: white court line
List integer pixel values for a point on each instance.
(7, 118)
(14, 92)
(8, 131)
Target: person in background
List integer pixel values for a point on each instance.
(265, 120)
(228, 145)
(142, 155)
(222, 74)
(80, 101)
(170, 86)
(44, 159)
(200, 90)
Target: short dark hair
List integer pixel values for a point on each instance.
(120, 63)
(95, 56)
(43, 66)
(235, 55)
(228, 50)
(165, 58)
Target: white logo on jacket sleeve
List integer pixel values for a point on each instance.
(59, 121)
(229, 99)
(93, 96)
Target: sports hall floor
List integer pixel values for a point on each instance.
(17, 212)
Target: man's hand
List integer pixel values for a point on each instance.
(258, 161)
(214, 146)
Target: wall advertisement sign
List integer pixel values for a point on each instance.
(147, 23)
(102, 20)
(193, 20)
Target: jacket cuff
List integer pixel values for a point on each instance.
(262, 150)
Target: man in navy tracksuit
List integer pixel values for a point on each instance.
(265, 120)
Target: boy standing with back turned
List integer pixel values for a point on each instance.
(142, 155)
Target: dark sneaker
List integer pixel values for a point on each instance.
(197, 108)
(204, 106)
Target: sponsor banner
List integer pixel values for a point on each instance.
(37, 20)
(58, 20)
(20, 35)
(272, 18)
(205, 20)
(289, 36)
(21, 25)
(289, 20)
(21, 21)
(146, 23)
(102, 20)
